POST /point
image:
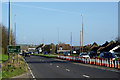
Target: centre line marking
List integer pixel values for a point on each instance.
(86, 76)
(57, 66)
(67, 70)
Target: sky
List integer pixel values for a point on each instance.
(39, 22)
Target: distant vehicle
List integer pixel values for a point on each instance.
(30, 52)
(92, 54)
(66, 54)
(45, 52)
(107, 55)
(27, 54)
(84, 55)
(74, 52)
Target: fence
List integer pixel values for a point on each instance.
(93, 61)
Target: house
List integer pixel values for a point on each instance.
(60, 48)
(40, 48)
(76, 49)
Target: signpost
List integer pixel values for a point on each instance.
(13, 49)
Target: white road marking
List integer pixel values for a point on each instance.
(50, 63)
(30, 70)
(67, 70)
(86, 76)
(57, 66)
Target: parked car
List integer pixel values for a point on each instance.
(92, 54)
(66, 54)
(84, 55)
(27, 54)
(107, 55)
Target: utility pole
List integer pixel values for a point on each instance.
(82, 31)
(15, 29)
(9, 33)
(80, 41)
(71, 42)
(58, 35)
(15, 38)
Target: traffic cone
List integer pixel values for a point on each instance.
(96, 61)
(103, 61)
(112, 64)
(107, 63)
(115, 63)
(100, 62)
(85, 60)
(88, 60)
(118, 64)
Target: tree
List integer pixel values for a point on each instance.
(5, 40)
(95, 44)
(52, 48)
(47, 48)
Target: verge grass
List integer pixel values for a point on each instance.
(11, 70)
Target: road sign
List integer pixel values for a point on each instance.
(13, 49)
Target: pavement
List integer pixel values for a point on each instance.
(42, 67)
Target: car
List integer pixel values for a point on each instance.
(92, 54)
(66, 54)
(27, 54)
(107, 55)
(84, 55)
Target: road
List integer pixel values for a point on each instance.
(43, 67)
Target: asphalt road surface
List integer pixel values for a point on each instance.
(42, 67)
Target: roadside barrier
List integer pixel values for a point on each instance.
(94, 61)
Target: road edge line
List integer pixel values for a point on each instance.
(29, 68)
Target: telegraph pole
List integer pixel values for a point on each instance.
(58, 35)
(15, 37)
(82, 31)
(71, 42)
(15, 29)
(80, 41)
(9, 32)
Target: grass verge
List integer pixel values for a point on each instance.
(3, 58)
(48, 55)
(10, 70)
